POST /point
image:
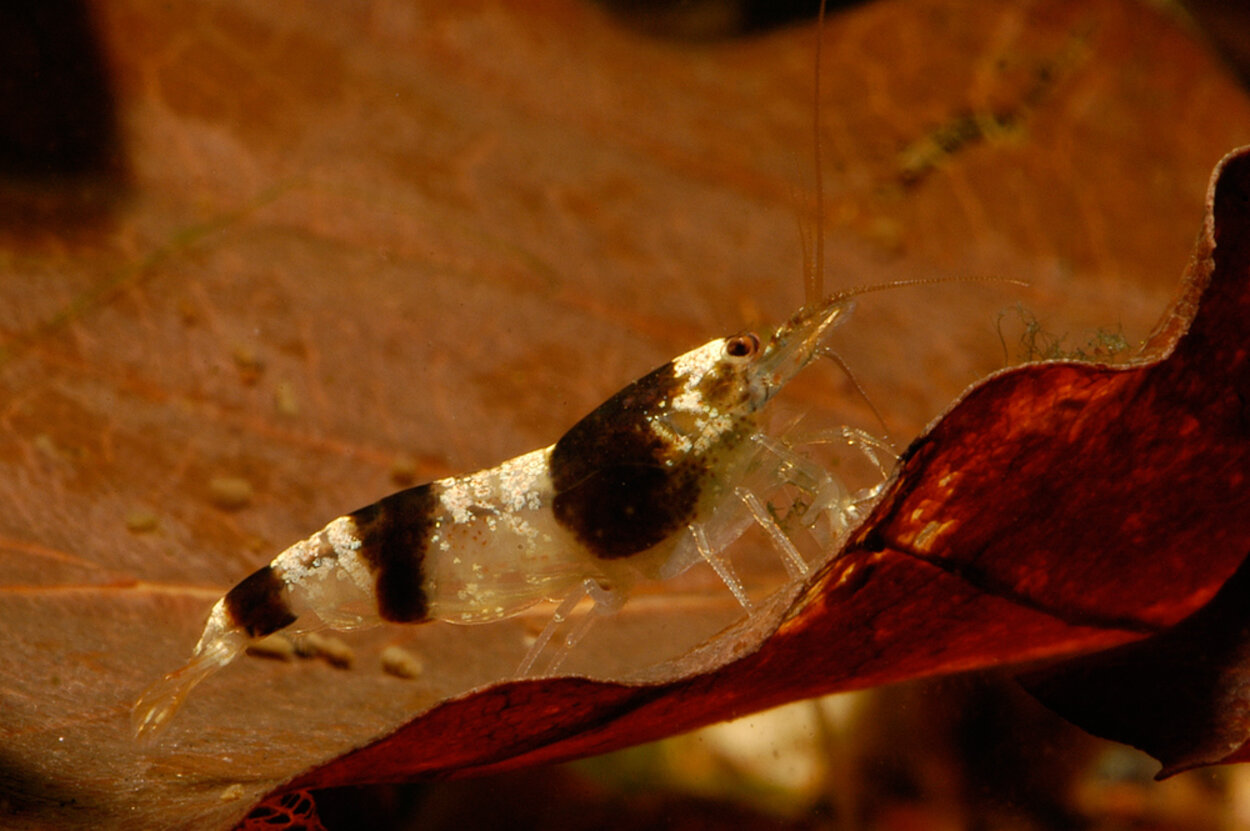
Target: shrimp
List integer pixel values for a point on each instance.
(666, 473)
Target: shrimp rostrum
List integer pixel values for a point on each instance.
(664, 474)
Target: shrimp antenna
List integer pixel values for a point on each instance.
(814, 272)
(796, 203)
(856, 291)
(831, 354)
(847, 294)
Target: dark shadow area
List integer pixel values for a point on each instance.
(1227, 26)
(61, 160)
(714, 19)
(540, 799)
(27, 792)
(1179, 695)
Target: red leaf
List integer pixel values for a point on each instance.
(291, 811)
(1180, 695)
(354, 242)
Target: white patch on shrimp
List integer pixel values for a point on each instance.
(710, 422)
(339, 541)
(457, 500)
(343, 535)
(691, 367)
(523, 479)
(325, 572)
(515, 485)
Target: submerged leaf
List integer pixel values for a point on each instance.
(1182, 695)
(344, 246)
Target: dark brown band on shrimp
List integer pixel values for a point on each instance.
(620, 488)
(394, 534)
(258, 605)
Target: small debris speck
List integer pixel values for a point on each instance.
(285, 400)
(400, 662)
(231, 792)
(276, 646)
(189, 311)
(248, 363)
(333, 650)
(141, 521)
(45, 445)
(230, 493)
(403, 470)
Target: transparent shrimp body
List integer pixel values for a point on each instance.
(662, 475)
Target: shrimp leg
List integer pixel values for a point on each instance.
(558, 617)
(795, 565)
(605, 600)
(722, 567)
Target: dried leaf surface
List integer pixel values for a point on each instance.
(358, 243)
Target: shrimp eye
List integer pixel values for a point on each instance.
(742, 346)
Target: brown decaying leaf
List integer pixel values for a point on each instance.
(351, 234)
